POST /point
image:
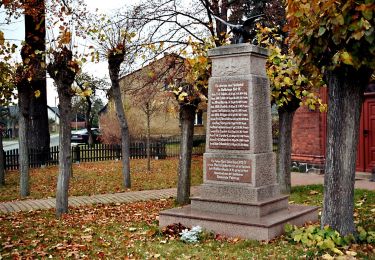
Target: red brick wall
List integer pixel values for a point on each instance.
(309, 135)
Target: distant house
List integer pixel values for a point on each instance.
(53, 114)
(147, 85)
(3, 121)
(53, 118)
(11, 122)
(103, 112)
(11, 119)
(78, 121)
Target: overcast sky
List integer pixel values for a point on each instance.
(15, 31)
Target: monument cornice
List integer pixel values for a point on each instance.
(238, 49)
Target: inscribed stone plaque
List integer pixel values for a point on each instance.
(229, 117)
(227, 169)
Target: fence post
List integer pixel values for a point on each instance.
(118, 151)
(4, 160)
(160, 149)
(77, 154)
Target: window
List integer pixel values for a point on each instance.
(198, 118)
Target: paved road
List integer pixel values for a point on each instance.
(10, 145)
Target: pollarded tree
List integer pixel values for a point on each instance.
(63, 67)
(63, 70)
(174, 23)
(116, 56)
(290, 88)
(114, 37)
(287, 82)
(189, 92)
(337, 37)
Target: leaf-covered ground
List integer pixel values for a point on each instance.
(364, 202)
(130, 231)
(101, 177)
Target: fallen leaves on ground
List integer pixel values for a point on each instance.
(101, 177)
(173, 230)
(130, 231)
(38, 234)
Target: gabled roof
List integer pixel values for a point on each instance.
(54, 110)
(165, 57)
(103, 110)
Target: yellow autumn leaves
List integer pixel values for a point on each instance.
(286, 79)
(37, 93)
(83, 93)
(2, 39)
(197, 72)
(330, 34)
(86, 92)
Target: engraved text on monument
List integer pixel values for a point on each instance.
(229, 117)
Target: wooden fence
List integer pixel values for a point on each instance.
(159, 149)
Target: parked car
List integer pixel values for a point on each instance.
(82, 136)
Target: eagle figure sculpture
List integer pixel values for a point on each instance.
(241, 32)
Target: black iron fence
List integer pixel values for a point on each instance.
(160, 148)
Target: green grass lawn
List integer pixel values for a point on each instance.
(130, 231)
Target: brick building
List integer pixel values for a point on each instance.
(309, 135)
(138, 87)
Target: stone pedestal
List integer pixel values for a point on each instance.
(240, 195)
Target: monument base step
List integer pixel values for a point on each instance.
(246, 209)
(258, 228)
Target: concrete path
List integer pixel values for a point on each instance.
(126, 197)
(362, 180)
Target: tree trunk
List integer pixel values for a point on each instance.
(24, 92)
(33, 55)
(31, 75)
(187, 116)
(285, 149)
(63, 70)
(114, 63)
(23, 156)
(148, 152)
(345, 97)
(2, 160)
(125, 140)
(65, 160)
(38, 134)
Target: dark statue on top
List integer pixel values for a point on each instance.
(241, 33)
